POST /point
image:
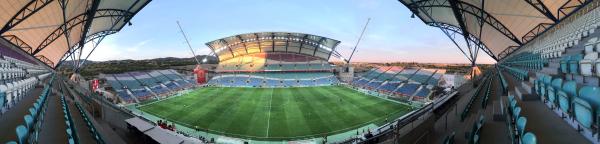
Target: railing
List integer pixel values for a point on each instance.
(467, 109)
(90, 125)
(502, 80)
(392, 127)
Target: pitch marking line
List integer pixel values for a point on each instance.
(269, 113)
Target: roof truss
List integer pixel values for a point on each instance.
(474, 9)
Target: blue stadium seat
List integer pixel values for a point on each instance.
(564, 64)
(33, 112)
(22, 134)
(513, 105)
(424, 92)
(585, 107)
(390, 86)
(568, 91)
(516, 112)
(537, 83)
(28, 121)
(529, 138)
(553, 89)
(545, 85)
(2, 99)
(574, 63)
(521, 122)
(408, 89)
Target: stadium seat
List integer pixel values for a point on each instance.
(568, 91)
(574, 63)
(553, 89)
(516, 112)
(538, 83)
(545, 85)
(28, 121)
(22, 134)
(529, 138)
(586, 105)
(564, 64)
(2, 95)
(587, 63)
(521, 122)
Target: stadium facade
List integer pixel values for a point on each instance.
(273, 59)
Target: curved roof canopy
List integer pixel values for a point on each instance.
(502, 26)
(51, 29)
(237, 45)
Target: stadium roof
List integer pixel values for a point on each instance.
(237, 45)
(49, 30)
(501, 26)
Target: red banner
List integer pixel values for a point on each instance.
(95, 84)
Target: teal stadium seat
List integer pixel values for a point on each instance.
(22, 134)
(574, 63)
(2, 98)
(538, 83)
(516, 112)
(564, 64)
(521, 122)
(529, 138)
(553, 89)
(585, 106)
(33, 112)
(545, 85)
(28, 121)
(566, 94)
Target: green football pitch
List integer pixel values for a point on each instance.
(276, 113)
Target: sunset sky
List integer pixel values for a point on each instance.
(391, 36)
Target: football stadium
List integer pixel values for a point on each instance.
(296, 72)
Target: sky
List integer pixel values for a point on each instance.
(391, 36)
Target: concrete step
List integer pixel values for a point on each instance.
(524, 91)
(551, 71)
(553, 65)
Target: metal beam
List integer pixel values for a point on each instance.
(575, 5)
(89, 19)
(287, 41)
(465, 33)
(19, 43)
(63, 7)
(258, 42)
(45, 60)
(563, 10)
(31, 8)
(465, 8)
(318, 45)
(541, 7)
(273, 41)
(228, 47)
(99, 36)
(102, 35)
(242, 41)
(76, 21)
(302, 43)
